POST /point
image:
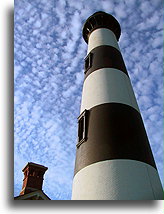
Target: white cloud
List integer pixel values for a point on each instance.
(79, 78)
(37, 24)
(120, 11)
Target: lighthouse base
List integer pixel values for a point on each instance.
(117, 180)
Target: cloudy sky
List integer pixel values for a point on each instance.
(48, 77)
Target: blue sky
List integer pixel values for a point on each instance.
(48, 77)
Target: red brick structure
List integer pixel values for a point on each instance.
(32, 183)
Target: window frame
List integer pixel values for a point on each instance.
(83, 116)
(89, 57)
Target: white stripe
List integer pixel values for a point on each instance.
(117, 180)
(107, 85)
(102, 36)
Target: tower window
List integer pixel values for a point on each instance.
(32, 172)
(40, 174)
(82, 132)
(88, 62)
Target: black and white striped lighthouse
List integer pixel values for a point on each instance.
(114, 160)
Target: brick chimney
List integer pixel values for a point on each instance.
(33, 177)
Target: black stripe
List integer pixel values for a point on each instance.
(106, 56)
(115, 131)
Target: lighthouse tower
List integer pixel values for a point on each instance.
(114, 160)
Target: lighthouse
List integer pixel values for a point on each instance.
(114, 160)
